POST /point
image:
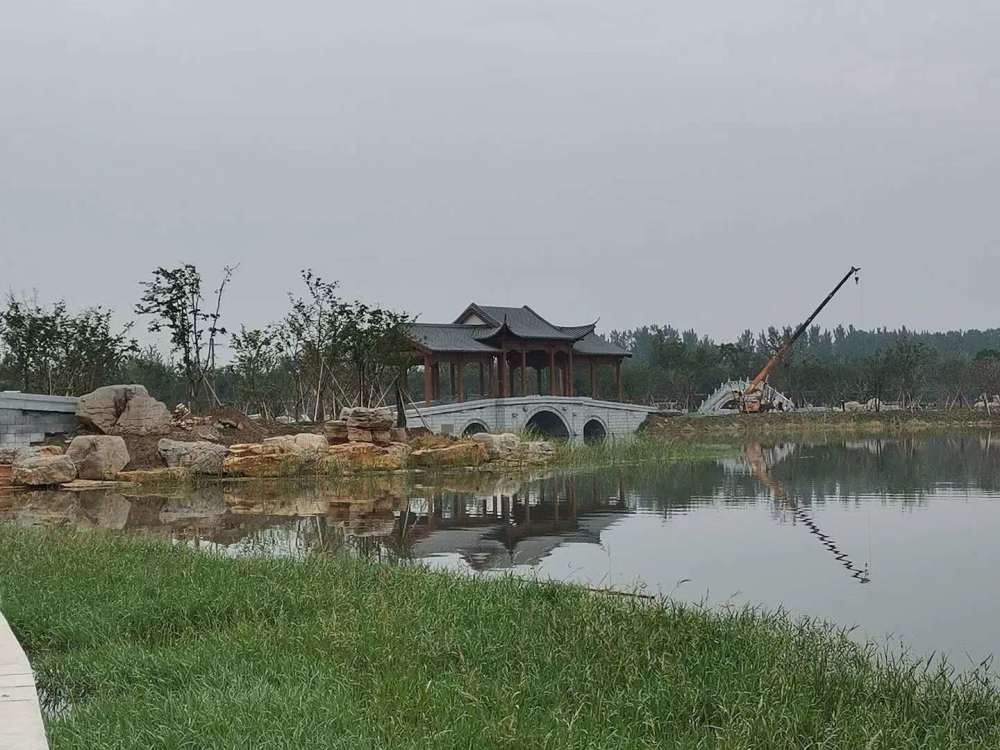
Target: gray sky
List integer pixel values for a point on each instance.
(716, 165)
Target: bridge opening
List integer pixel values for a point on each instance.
(594, 432)
(548, 424)
(474, 428)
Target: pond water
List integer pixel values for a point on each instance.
(897, 537)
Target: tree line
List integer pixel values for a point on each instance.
(825, 368)
(324, 353)
(328, 351)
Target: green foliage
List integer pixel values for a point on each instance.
(824, 367)
(151, 645)
(51, 350)
(174, 300)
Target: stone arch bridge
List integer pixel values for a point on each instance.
(575, 418)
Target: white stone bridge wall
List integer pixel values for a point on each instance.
(26, 418)
(512, 415)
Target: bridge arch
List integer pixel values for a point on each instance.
(594, 431)
(548, 423)
(474, 427)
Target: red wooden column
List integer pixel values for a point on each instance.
(524, 372)
(569, 373)
(503, 373)
(451, 378)
(552, 372)
(618, 380)
(428, 378)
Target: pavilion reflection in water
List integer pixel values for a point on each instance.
(499, 525)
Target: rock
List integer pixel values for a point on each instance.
(181, 412)
(123, 410)
(303, 442)
(284, 420)
(200, 457)
(399, 435)
(363, 418)
(466, 453)
(349, 457)
(853, 406)
(538, 451)
(336, 431)
(276, 464)
(498, 446)
(98, 456)
(359, 435)
(42, 470)
(154, 476)
(37, 450)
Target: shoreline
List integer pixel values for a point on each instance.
(294, 653)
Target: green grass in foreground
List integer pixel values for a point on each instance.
(639, 450)
(158, 647)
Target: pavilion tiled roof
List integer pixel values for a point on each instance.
(450, 337)
(522, 322)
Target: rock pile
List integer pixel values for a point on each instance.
(366, 425)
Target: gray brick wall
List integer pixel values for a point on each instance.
(27, 418)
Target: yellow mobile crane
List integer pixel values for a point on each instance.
(753, 399)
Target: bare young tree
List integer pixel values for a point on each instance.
(174, 297)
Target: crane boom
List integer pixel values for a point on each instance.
(787, 345)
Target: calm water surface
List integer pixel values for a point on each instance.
(898, 537)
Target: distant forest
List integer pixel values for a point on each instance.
(328, 351)
(826, 367)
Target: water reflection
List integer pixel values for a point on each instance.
(915, 521)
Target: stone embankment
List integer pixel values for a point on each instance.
(361, 440)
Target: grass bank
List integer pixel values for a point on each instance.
(643, 449)
(794, 425)
(157, 647)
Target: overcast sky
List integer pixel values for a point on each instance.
(717, 165)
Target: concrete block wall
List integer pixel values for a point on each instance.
(27, 418)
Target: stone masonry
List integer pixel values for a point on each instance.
(617, 420)
(27, 418)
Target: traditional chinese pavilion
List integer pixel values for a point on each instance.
(505, 343)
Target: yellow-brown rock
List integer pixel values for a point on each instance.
(152, 476)
(349, 457)
(465, 453)
(266, 464)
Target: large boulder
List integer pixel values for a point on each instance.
(465, 453)
(42, 470)
(201, 457)
(502, 445)
(98, 456)
(303, 442)
(123, 410)
(350, 457)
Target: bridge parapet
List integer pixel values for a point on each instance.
(514, 414)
